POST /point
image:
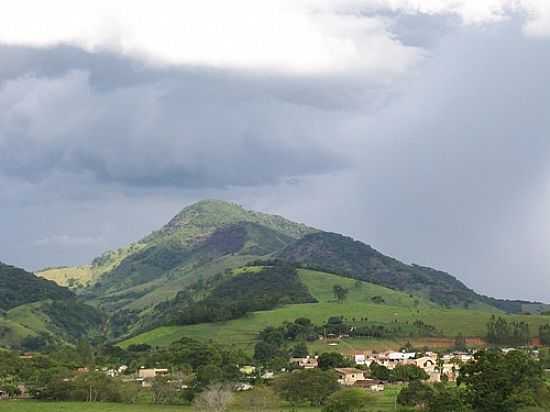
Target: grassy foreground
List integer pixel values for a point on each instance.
(380, 402)
(398, 306)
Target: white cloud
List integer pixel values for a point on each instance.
(296, 36)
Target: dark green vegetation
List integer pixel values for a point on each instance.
(18, 287)
(491, 382)
(497, 382)
(247, 292)
(38, 313)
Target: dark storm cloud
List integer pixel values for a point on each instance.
(122, 121)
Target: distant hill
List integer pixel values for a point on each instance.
(38, 312)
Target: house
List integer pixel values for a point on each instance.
(247, 370)
(151, 373)
(349, 376)
(305, 363)
(428, 364)
(242, 387)
(360, 359)
(400, 356)
(268, 375)
(145, 376)
(372, 385)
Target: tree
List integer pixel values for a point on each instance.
(307, 385)
(379, 371)
(347, 400)
(544, 334)
(340, 293)
(300, 350)
(460, 342)
(163, 390)
(209, 374)
(216, 398)
(34, 343)
(407, 373)
(445, 399)
(415, 394)
(260, 399)
(497, 382)
(330, 360)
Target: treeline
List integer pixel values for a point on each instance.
(337, 325)
(502, 332)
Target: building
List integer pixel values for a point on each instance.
(428, 364)
(360, 359)
(247, 370)
(151, 373)
(349, 376)
(372, 385)
(145, 376)
(305, 363)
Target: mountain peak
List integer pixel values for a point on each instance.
(206, 216)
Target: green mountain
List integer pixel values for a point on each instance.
(37, 312)
(196, 268)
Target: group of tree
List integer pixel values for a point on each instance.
(234, 296)
(502, 332)
(338, 325)
(401, 373)
(276, 344)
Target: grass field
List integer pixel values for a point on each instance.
(380, 402)
(398, 306)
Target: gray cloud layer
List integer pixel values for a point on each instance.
(447, 167)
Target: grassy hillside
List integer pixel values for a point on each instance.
(78, 277)
(69, 276)
(398, 306)
(344, 255)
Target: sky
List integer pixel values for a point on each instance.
(420, 127)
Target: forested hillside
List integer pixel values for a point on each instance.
(18, 287)
(38, 313)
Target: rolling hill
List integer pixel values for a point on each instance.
(38, 311)
(381, 305)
